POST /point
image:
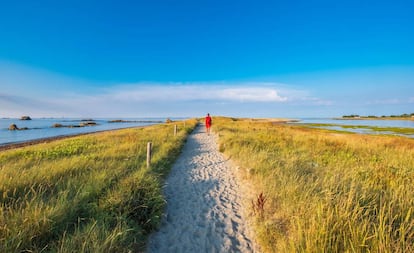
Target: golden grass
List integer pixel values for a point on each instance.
(91, 193)
(324, 191)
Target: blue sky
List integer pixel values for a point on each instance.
(187, 58)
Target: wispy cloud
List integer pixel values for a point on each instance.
(252, 94)
(141, 98)
(239, 92)
(40, 93)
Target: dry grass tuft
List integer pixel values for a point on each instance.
(258, 205)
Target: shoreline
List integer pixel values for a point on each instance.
(21, 144)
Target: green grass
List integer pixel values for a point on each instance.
(325, 191)
(91, 193)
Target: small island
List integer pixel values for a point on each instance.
(25, 118)
(82, 124)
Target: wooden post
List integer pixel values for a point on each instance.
(175, 130)
(149, 148)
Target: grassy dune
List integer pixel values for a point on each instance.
(91, 193)
(324, 191)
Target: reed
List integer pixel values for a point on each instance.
(325, 191)
(90, 193)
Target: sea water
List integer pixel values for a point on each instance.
(359, 122)
(42, 128)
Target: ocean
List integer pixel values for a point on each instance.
(358, 123)
(39, 128)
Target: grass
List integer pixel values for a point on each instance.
(92, 193)
(322, 191)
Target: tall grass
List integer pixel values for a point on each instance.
(91, 193)
(326, 192)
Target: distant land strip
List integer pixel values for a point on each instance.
(404, 116)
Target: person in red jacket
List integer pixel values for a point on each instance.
(208, 123)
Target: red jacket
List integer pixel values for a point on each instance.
(208, 121)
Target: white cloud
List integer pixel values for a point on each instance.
(252, 94)
(241, 92)
(26, 91)
(147, 99)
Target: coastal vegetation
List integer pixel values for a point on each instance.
(402, 116)
(324, 191)
(91, 193)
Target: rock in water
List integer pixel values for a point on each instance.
(88, 123)
(25, 118)
(13, 127)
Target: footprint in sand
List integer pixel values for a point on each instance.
(203, 203)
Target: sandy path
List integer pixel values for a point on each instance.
(204, 211)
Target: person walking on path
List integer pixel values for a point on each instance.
(208, 123)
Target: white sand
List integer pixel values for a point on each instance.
(204, 203)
